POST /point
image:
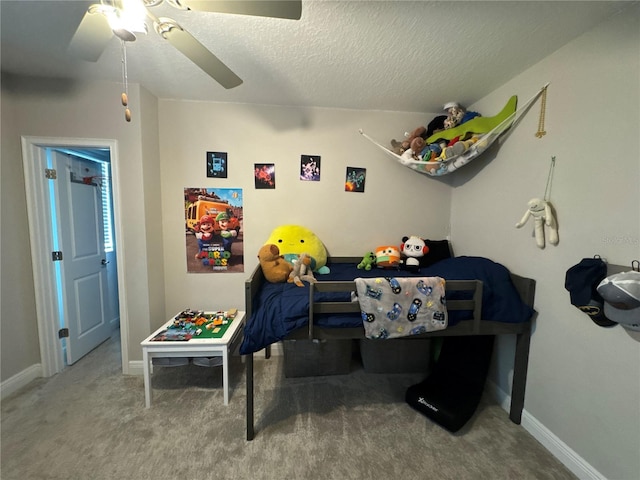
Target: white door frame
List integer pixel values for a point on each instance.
(41, 235)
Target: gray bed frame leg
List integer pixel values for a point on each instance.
(519, 384)
(249, 383)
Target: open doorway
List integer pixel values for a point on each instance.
(59, 172)
(82, 228)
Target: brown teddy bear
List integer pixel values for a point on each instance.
(275, 268)
(416, 139)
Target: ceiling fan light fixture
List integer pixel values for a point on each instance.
(128, 20)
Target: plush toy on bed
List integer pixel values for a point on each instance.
(301, 270)
(292, 240)
(388, 256)
(368, 261)
(413, 248)
(274, 267)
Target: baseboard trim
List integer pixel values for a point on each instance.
(569, 458)
(136, 367)
(20, 380)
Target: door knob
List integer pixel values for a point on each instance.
(104, 261)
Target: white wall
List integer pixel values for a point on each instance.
(396, 202)
(584, 380)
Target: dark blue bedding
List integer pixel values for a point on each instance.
(280, 308)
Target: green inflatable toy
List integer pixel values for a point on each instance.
(477, 125)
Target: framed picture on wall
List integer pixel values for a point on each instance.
(355, 179)
(310, 168)
(217, 164)
(264, 175)
(214, 238)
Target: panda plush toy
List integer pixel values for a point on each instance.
(413, 248)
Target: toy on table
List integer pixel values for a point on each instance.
(542, 213)
(368, 261)
(292, 240)
(413, 248)
(274, 267)
(301, 270)
(190, 321)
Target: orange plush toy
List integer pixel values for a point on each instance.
(275, 268)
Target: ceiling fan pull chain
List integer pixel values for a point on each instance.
(125, 80)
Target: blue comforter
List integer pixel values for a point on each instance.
(280, 308)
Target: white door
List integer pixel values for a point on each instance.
(84, 264)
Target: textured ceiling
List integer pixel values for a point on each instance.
(374, 55)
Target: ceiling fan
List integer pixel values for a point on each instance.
(123, 18)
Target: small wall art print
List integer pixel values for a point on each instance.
(217, 164)
(214, 235)
(265, 175)
(310, 168)
(355, 179)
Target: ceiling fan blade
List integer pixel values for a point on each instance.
(92, 35)
(291, 9)
(197, 53)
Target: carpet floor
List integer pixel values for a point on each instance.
(89, 422)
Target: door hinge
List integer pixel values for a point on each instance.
(63, 333)
(56, 256)
(50, 173)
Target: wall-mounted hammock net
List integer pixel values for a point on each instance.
(487, 131)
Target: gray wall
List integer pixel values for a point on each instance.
(584, 380)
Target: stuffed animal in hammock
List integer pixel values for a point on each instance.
(415, 139)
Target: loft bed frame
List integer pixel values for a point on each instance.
(474, 326)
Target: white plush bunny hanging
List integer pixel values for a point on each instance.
(542, 213)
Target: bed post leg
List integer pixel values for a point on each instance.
(249, 385)
(520, 366)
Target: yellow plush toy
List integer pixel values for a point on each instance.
(292, 240)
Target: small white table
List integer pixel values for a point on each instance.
(194, 347)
